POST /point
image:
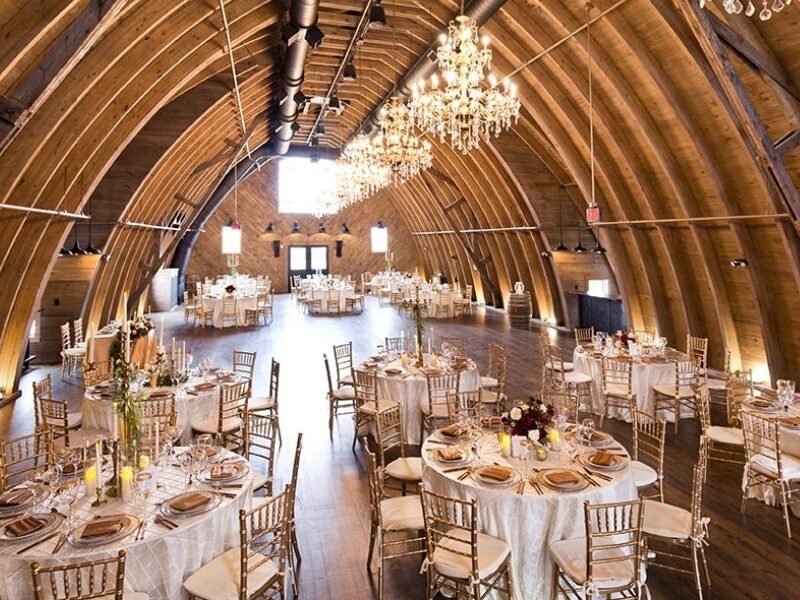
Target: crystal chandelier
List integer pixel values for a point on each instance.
(395, 146)
(359, 174)
(735, 7)
(462, 109)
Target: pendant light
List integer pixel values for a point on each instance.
(579, 249)
(561, 247)
(377, 16)
(64, 250)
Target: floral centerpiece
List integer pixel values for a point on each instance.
(622, 339)
(230, 289)
(415, 307)
(533, 420)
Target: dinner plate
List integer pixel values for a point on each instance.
(478, 475)
(52, 521)
(763, 406)
(465, 458)
(545, 477)
(241, 469)
(130, 523)
(167, 510)
(10, 511)
(462, 433)
(790, 424)
(378, 357)
(599, 439)
(617, 462)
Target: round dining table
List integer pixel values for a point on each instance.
(333, 294)
(157, 564)
(409, 387)
(244, 302)
(195, 400)
(98, 347)
(533, 519)
(647, 372)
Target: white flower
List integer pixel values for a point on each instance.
(525, 407)
(533, 435)
(516, 413)
(504, 415)
(542, 409)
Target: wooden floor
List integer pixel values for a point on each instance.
(749, 557)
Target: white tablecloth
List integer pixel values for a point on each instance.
(243, 303)
(645, 376)
(326, 294)
(529, 523)
(411, 391)
(190, 405)
(446, 299)
(156, 565)
(98, 348)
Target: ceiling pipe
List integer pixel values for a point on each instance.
(300, 34)
(43, 211)
(479, 10)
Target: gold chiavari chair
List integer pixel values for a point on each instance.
(395, 345)
(262, 311)
(343, 358)
(102, 578)
(396, 523)
(96, 373)
(738, 389)
(156, 409)
(677, 535)
(41, 389)
(71, 357)
(257, 567)
(570, 381)
(269, 404)
(697, 351)
(670, 397)
(230, 311)
(466, 300)
(294, 550)
(55, 414)
(607, 561)
(396, 297)
(647, 466)
(312, 305)
(442, 308)
(724, 444)
(77, 333)
(205, 311)
(261, 444)
(584, 336)
(718, 387)
(563, 402)
(617, 385)
(243, 363)
(341, 400)
(390, 435)
(498, 360)
(19, 456)
(464, 405)
(767, 464)
(435, 412)
(189, 307)
(229, 424)
(459, 557)
(643, 336)
(366, 401)
(456, 343)
(359, 299)
(333, 305)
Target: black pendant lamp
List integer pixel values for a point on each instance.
(91, 248)
(561, 247)
(579, 249)
(64, 250)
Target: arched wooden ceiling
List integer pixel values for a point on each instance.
(689, 110)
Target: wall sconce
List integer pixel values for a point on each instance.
(739, 263)
(322, 228)
(545, 254)
(270, 228)
(339, 248)
(345, 229)
(276, 248)
(296, 227)
(381, 225)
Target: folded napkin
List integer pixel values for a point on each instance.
(190, 501)
(450, 454)
(223, 471)
(15, 498)
(492, 420)
(106, 395)
(102, 528)
(24, 526)
(496, 473)
(432, 371)
(762, 404)
(793, 421)
(206, 385)
(453, 430)
(563, 478)
(603, 459)
(160, 394)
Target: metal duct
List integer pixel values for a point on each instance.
(300, 34)
(480, 11)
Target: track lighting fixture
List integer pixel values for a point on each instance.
(377, 16)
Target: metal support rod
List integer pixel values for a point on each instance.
(694, 220)
(235, 78)
(479, 230)
(157, 227)
(43, 211)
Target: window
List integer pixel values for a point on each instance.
(380, 239)
(304, 186)
(297, 258)
(33, 334)
(598, 287)
(319, 258)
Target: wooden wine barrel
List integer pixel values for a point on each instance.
(519, 309)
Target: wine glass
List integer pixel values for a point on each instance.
(587, 430)
(171, 433)
(35, 486)
(185, 461)
(50, 478)
(142, 485)
(70, 492)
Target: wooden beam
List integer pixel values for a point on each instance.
(186, 201)
(788, 143)
(455, 204)
(750, 125)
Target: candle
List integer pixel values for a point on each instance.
(158, 440)
(161, 335)
(183, 357)
(173, 349)
(144, 461)
(127, 345)
(124, 311)
(505, 445)
(98, 463)
(115, 423)
(126, 483)
(90, 481)
(429, 340)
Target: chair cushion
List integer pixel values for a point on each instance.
(368, 408)
(210, 425)
(643, 475)
(567, 366)
(262, 403)
(75, 352)
(570, 556)
(488, 382)
(716, 385)
(259, 480)
(725, 435)
(346, 380)
(405, 469)
(767, 466)
(402, 512)
(491, 554)
(666, 389)
(573, 377)
(439, 410)
(344, 393)
(618, 390)
(492, 397)
(219, 579)
(666, 520)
